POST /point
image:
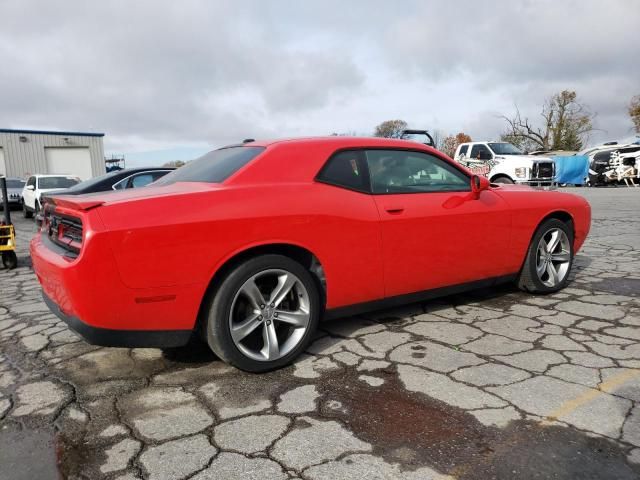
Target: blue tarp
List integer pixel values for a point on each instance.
(573, 169)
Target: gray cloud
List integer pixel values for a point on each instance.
(160, 74)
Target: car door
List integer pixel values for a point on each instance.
(435, 231)
(29, 193)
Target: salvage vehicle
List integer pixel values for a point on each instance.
(503, 162)
(14, 192)
(37, 185)
(613, 163)
(251, 245)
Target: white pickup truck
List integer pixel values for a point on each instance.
(502, 162)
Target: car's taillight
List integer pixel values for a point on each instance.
(62, 229)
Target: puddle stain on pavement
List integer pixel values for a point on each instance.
(417, 431)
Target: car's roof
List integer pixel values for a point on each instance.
(43, 175)
(338, 141)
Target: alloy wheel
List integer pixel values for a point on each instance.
(269, 315)
(553, 257)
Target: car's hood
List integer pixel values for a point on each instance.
(523, 158)
(91, 200)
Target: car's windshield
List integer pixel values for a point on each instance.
(213, 167)
(12, 183)
(45, 183)
(504, 148)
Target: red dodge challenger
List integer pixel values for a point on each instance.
(250, 245)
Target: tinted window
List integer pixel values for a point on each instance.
(463, 150)
(93, 181)
(396, 171)
(56, 182)
(214, 167)
(480, 151)
(345, 170)
(31, 181)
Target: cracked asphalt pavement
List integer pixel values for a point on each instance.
(490, 384)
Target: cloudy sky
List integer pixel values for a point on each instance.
(170, 80)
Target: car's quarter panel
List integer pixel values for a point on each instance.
(530, 207)
(436, 239)
(89, 287)
(183, 240)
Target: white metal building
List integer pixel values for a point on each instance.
(29, 152)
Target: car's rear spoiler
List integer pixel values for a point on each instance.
(75, 203)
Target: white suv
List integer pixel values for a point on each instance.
(37, 185)
(502, 162)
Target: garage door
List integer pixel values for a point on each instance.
(3, 166)
(74, 161)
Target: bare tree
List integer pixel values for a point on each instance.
(390, 129)
(566, 123)
(634, 112)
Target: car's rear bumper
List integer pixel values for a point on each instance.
(120, 338)
(86, 291)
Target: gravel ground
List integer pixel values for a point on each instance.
(491, 384)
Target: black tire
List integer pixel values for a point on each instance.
(528, 279)
(26, 213)
(36, 208)
(218, 309)
(9, 260)
(503, 179)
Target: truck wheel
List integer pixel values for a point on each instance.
(263, 314)
(503, 179)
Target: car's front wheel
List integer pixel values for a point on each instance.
(263, 314)
(26, 213)
(549, 258)
(503, 179)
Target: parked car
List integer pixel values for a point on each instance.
(118, 180)
(502, 162)
(250, 245)
(14, 192)
(39, 184)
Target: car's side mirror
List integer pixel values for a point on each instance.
(478, 184)
(31, 187)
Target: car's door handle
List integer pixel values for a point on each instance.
(394, 209)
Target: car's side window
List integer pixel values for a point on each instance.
(463, 150)
(345, 169)
(400, 171)
(31, 181)
(480, 151)
(140, 180)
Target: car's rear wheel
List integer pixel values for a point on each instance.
(263, 314)
(549, 258)
(503, 179)
(26, 213)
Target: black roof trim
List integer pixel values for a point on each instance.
(50, 132)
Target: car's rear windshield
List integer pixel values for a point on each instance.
(15, 183)
(213, 167)
(94, 181)
(56, 182)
